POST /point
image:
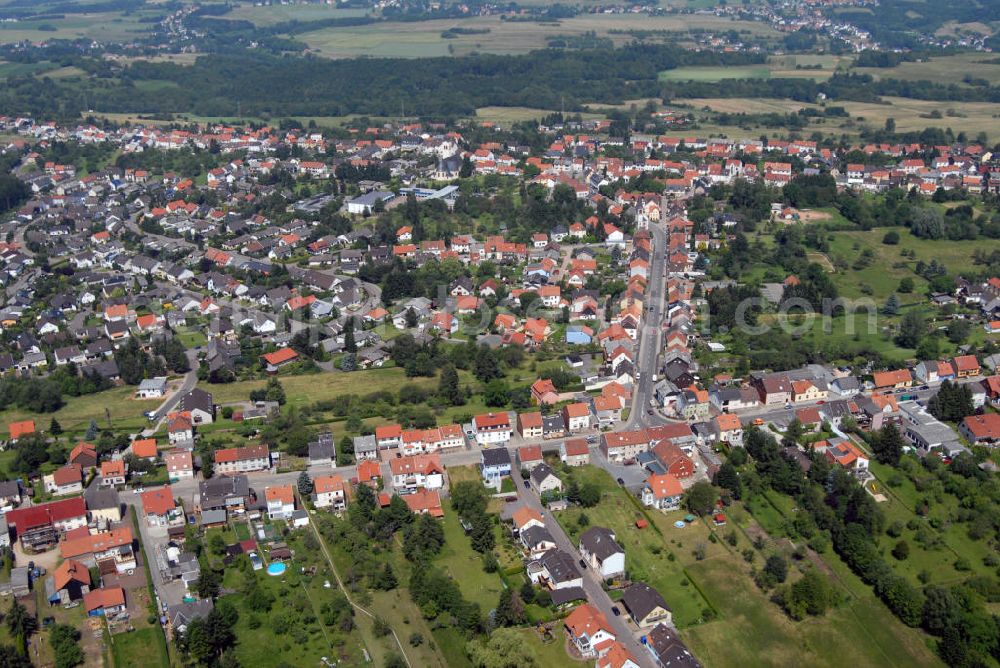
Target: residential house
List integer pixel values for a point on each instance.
(494, 465)
(492, 428)
(529, 425)
(536, 539)
(577, 417)
(600, 549)
(84, 455)
(667, 650)
(620, 446)
(727, 429)
(529, 456)
(322, 452)
(159, 507)
(617, 656)
(113, 473)
(231, 494)
(895, 379)
(662, 491)
(229, 461)
(673, 460)
(180, 427)
(38, 527)
(425, 502)
(589, 631)
(110, 551)
(544, 480)
(849, 456)
(20, 429)
(152, 388)
(409, 473)
(106, 602)
(574, 452)
(200, 405)
(329, 492)
(280, 501)
(65, 480)
(145, 448)
(966, 366)
(775, 389)
(555, 570)
(646, 606)
(70, 582)
(180, 464)
(981, 429)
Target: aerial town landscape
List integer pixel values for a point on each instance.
(499, 335)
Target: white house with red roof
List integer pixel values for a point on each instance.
(589, 631)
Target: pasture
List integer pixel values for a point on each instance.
(424, 38)
(98, 26)
(910, 115)
(784, 67)
(263, 16)
(942, 69)
(508, 115)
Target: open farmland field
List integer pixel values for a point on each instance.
(777, 67)
(414, 40)
(910, 115)
(101, 26)
(274, 14)
(745, 105)
(716, 73)
(942, 69)
(507, 115)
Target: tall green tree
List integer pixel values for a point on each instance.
(911, 330)
(448, 387)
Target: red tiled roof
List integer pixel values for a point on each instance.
(159, 501)
(280, 356)
(103, 598)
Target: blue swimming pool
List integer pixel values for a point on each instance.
(276, 568)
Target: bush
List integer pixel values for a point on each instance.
(901, 551)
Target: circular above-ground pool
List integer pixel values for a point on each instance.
(276, 568)
(680, 524)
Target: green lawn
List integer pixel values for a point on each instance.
(398, 609)
(884, 274)
(860, 626)
(465, 565)
(947, 544)
(298, 601)
(646, 551)
(752, 631)
(144, 647)
(125, 411)
(310, 388)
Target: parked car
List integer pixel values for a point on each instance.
(615, 611)
(583, 564)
